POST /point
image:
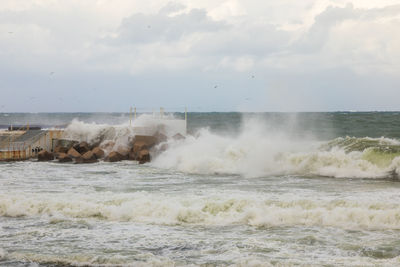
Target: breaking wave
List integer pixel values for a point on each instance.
(259, 151)
(256, 210)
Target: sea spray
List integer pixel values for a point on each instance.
(250, 152)
(261, 151)
(258, 149)
(121, 135)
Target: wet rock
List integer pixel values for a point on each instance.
(94, 145)
(107, 145)
(63, 157)
(178, 136)
(73, 153)
(132, 155)
(98, 152)
(45, 156)
(124, 152)
(60, 149)
(113, 157)
(88, 157)
(148, 140)
(139, 145)
(163, 147)
(82, 147)
(143, 156)
(160, 137)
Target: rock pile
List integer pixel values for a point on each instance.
(139, 149)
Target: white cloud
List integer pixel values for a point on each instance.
(207, 38)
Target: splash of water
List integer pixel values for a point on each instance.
(261, 151)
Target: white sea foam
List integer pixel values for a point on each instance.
(121, 134)
(259, 151)
(256, 210)
(88, 260)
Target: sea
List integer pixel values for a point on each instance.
(242, 189)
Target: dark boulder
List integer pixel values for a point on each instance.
(139, 145)
(143, 156)
(62, 157)
(113, 157)
(73, 153)
(132, 155)
(148, 140)
(98, 152)
(107, 145)
(88, 157)
(45, 156)
(60, 149)
(124, 152)
(82, 147)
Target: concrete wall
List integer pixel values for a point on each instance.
(23, 150)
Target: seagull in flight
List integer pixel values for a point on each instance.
(10, 32)
(51, 73)
(215, 86)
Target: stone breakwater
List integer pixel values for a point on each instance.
(140, 148)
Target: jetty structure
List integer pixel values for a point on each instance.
(24, 142)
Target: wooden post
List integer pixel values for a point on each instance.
(130, 116)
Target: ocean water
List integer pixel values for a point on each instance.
(254, 189)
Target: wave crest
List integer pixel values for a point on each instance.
(258, 210)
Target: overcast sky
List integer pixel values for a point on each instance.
(208, 55)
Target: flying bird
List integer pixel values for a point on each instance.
(252, 76)
(51, 73)
(10, 32)
(215, 86)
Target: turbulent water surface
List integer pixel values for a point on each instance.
(308, 189)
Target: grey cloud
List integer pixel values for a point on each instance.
(319, 32)
(171, 7)
(244, 39)
(162, 27)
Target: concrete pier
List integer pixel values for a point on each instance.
(26, 144)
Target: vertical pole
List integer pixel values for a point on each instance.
(130, 117)
(185, 120)
(27, 126)
(9, 147)
(161, 113)
(135, 113)
(186, 114)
